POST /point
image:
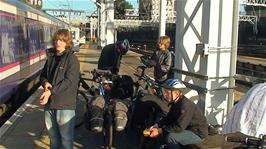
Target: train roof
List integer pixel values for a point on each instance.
(26, 7)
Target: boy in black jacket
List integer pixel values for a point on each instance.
(60, 77)
(185, 123)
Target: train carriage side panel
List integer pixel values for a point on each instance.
(25, 34)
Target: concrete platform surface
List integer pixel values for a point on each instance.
(26, 130)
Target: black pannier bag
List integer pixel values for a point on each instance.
(122, 87)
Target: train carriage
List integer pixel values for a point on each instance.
(25, 33)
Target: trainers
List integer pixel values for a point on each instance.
(96, 125)
(120, 123)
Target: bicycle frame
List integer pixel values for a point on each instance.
(151, 86)
(108, 117)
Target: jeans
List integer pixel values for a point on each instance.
(186, 137)
(60, 125)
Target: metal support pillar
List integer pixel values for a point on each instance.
(91, 29)
(206, 40)
(106, 22)
(109, 36)
(162, 21)
(98, 26)
(102, 25)
(233, 54)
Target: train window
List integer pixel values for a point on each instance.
(22, 36)
(7, 39)
(41, 33)
(46, 33)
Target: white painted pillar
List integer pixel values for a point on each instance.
(110, 31)
(103, 25)
(162, 21)
(91, 28)
(107, 22)
(98, 26)
(206, 39)
(233, 54)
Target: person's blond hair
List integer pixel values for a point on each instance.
(64, 35)
(165, 40)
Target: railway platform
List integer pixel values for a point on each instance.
(26, 128)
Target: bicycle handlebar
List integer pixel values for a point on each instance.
(101, 72)
(147, 78)
(104, 76)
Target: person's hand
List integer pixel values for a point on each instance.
(155, 132)
(47, 86)
(45, 97)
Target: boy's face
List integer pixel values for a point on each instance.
(60, 45)
(170, 95)
(161, 46)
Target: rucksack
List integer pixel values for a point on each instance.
(122, 87)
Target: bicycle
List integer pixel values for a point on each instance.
(151, 86)
(109, 87)
(106, 84)
(90, 90)
(248, 142)
(104, 79)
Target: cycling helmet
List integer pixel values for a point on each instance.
(173, 84)
(124, 46)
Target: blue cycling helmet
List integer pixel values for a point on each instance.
(173, 84)
(124, 46)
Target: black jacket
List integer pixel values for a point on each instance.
(110, 59)
(63, 73)
(185, 115)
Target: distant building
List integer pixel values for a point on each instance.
(150, 9)
(145, 9)
(131, 14)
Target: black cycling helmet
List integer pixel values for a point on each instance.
(173, 84)
(124, 46)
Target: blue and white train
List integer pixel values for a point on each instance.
(25, 33)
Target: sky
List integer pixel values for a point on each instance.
(87, 5)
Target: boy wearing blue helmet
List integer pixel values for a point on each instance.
(185, 123)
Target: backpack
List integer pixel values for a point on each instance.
(122, 87)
